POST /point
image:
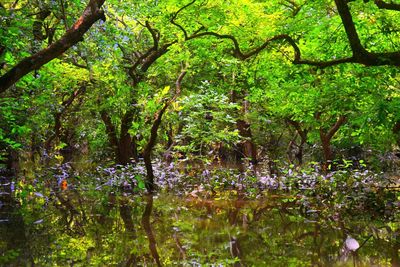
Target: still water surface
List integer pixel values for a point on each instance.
(74, 228)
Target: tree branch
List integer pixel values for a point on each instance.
(66, 103)
(351, 32)
(145, 60)
(154, 34)
(58, 115)
(64, 17)
(90, 15)
(297, 126)
(293, 6)
(359, 54)
(340, 121)
(160, 113)
(172, 20)
(390, 6)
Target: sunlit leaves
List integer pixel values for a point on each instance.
(208, 118)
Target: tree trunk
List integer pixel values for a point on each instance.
(124, 146)
(326, 148)
(303, 139)
(396, 132)
(247, 148)
(124, 150)
(326, 137)
(154, 132)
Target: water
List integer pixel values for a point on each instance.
(88, 228)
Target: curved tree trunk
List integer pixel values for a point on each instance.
(326, 137)
(124, 145)
(154, 132)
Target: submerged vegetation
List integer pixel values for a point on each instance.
(199, 133)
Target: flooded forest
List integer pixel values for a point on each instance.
(199, 133)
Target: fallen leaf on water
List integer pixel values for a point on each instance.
(351, 244)
(63, 185)
(38, 221)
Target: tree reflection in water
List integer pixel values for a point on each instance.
(147, 228)
(76, 228)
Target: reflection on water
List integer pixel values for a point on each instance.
(73, 228)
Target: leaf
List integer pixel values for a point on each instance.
(141, 185)
(38, 194)
(165, 90)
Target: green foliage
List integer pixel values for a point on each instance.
(301, 214)
(207, 118)
(264, 90)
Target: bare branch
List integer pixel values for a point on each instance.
(172, 20)
(154, 34)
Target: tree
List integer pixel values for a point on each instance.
(72, 36)
(255, 68)
(154, 132)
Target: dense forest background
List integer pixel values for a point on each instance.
(268, 131)
(273, 83)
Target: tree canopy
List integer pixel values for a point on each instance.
(102, 75)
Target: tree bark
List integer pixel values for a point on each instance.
(246, 148)
(396, 131)
(390, 6)
(126, 143)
